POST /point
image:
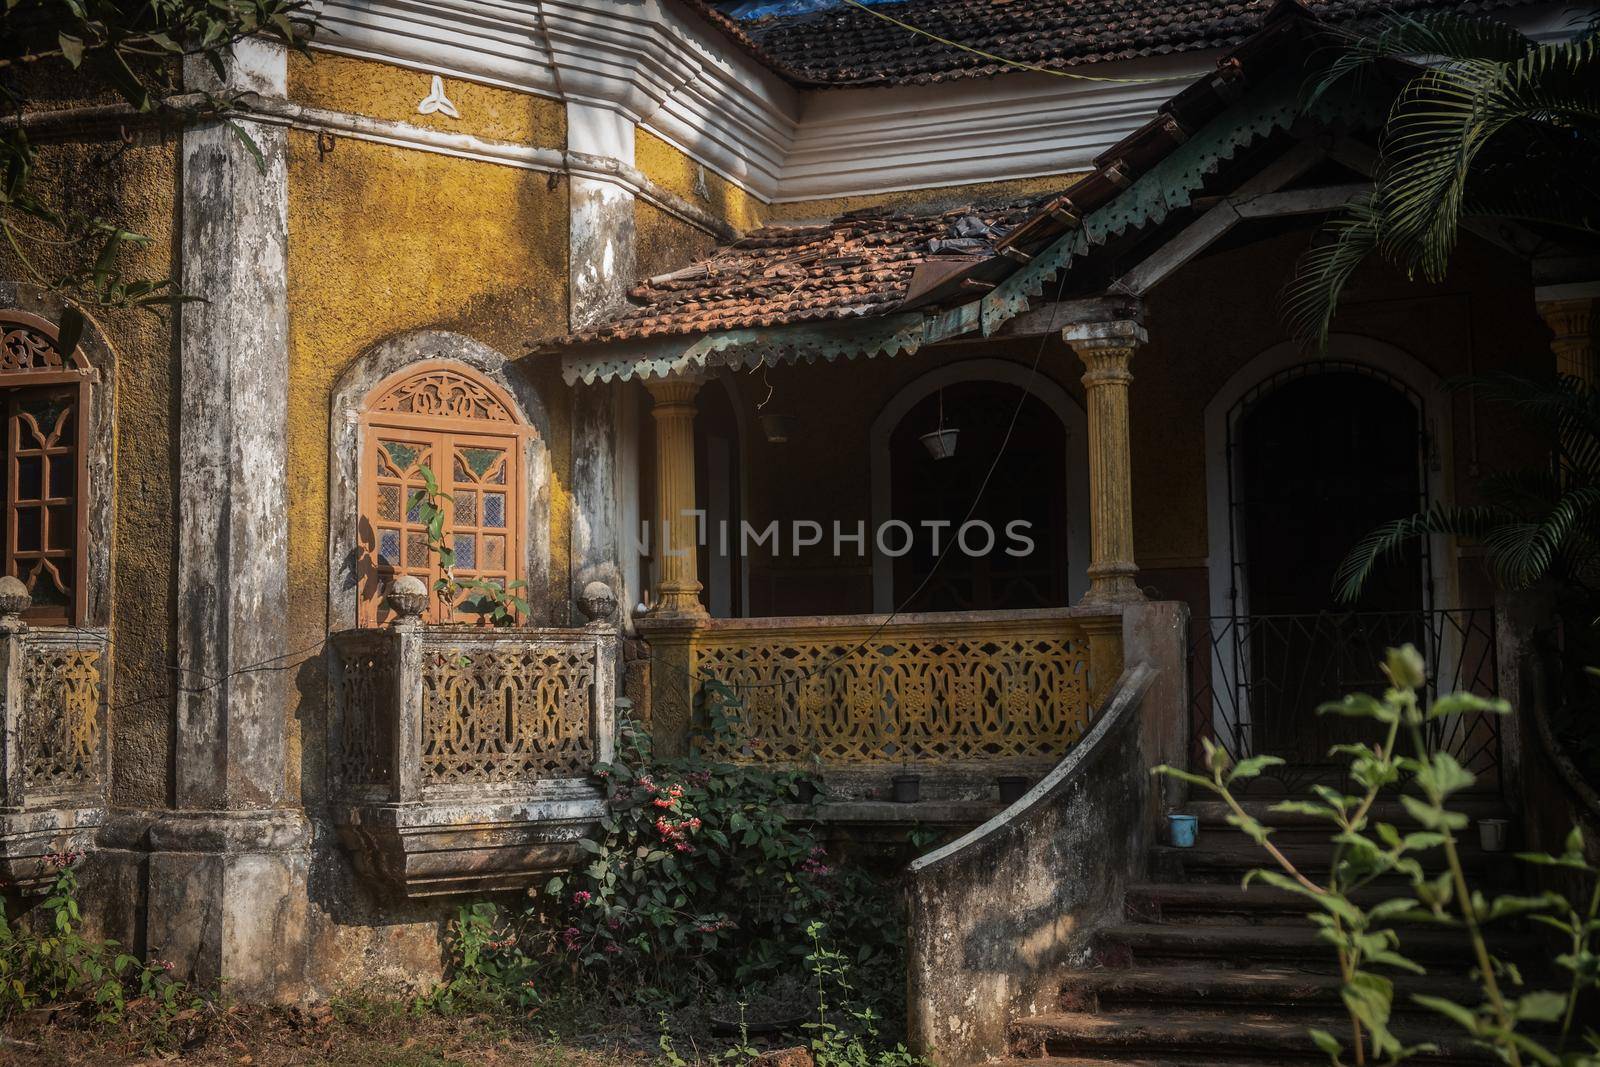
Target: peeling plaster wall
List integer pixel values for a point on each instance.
(664, 243)
(384, 241)
(135, 184)
(676, 172)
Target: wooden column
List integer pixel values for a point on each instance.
(1107, 349)
(678, 591)
(1573, 344)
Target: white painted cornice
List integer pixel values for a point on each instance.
(661, 66)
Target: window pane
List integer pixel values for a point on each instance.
(494, 552)
(29, 529)
(401, 455)
(389, 548)
(30, 477)
(481, 459)
(494, 510)
(416, 549)
(63, 528)
(61, 476)
(466, 508)
(466, 547)
(389, 502)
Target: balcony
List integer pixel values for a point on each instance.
(460, 756)
(53, 795)
(958, 699)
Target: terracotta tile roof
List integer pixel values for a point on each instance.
(859, 264)
(844, 45)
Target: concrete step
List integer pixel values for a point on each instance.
(1219, 903)
(1226, 859)
(1238, 946)
(1282, 989)
(1211, 1037)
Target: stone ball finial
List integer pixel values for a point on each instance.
(597, 602)
(14, 600)
(407, 597)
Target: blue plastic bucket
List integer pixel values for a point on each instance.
(1184, 829)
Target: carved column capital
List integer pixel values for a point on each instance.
(1573, 344)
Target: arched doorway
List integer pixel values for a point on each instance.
(1304, 460)
(1041, 480)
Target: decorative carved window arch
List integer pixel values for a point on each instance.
(465, 429)
(46, 406)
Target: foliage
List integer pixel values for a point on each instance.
(853, 1043)
(1536, 522)
(489, 967)
(700, 877)
(1493, 126)
(137, 48)
(1364, 850)
(499, 604)
(49, 962)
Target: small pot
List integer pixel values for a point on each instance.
(1493, 834)
(777, 428)
(1013, 787)
(1184, 829)
(907, 788)
(941, 444)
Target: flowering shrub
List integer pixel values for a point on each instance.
(489, 967)
(700, 876)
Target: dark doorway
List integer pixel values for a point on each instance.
(1028, 485)
(1322, 455)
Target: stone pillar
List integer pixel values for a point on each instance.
(598, 536)
(227, 892)
(1106, 349)
(678, 591)
(601, 227)
(1573, 344)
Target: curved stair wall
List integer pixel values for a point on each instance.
(998, 915)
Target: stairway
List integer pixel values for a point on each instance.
(1204, 972)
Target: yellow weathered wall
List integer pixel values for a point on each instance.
(948, 196)
(135, 185)
(382, 91)
(664, 242)
(385, 241)
(677, 173)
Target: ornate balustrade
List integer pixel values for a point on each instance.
(961, 690)
(52, 797)
(459, 757)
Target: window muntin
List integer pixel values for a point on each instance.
(463, 430)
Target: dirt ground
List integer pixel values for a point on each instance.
(344, 1034)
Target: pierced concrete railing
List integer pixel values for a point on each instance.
(53, 794)
(937, 689)
(460, 757)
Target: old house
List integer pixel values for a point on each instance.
(912, 393)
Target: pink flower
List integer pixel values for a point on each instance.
(571, 938)
(612, 948)
(683, 847)
(694, 823)
(581, 897)
(663, 802)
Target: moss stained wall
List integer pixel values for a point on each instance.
(385, 241)
(677, 173)
(135, 184)
(945, 197)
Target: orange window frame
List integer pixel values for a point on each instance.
(392, 539)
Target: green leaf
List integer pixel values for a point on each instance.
(71, 331)
(1543, 1006)
(1327, 1043)
(71, 48)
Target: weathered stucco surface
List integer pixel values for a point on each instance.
(383, 91)
(384, 241)
(134, 183)
(999, 914)
(942, 197)
(676, 172)
(663, 242)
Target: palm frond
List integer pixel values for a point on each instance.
(1388, 540)
(1440, 33)
(1309, 300)
(1442, 121)
(1524, 552)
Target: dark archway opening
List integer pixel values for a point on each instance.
(1027, 486)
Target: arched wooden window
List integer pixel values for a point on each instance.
(46, 403)
(450, 421)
